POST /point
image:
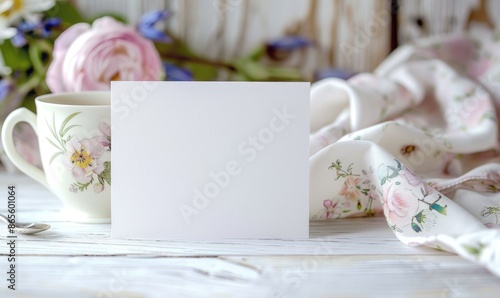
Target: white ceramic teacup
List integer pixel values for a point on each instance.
(75, 146)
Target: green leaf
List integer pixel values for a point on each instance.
(29, 103)
(419, 216)
(15, 58)
(66, 11)
(439, 208)
(101, 180)
(473, 250)
(62, 130)
(106, 174)
(384, 180)
(201, 72)
(258, 53)
(55, 156)
(400, 166)
(415, 227)
(252, 70)
(68, 128)
(53, 128)
(36, 52)
(54, 144)
(284, 74)
(81, 186)
(395, 172)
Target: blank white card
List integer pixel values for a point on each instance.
(210, 160)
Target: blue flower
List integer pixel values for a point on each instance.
(333, 73)
(47, 26)
(5, 88)
(280, 49)
(147, 25)
(288, 43)
(19, 40)
(176, 73)
(41, 29)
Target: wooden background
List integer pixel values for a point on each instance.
(349, 34)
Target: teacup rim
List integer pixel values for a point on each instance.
(43, 99)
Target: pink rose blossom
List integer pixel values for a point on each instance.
(89, 58)
(399, 205)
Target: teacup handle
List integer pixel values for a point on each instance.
(21, 115)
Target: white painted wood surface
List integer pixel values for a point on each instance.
(347, 258)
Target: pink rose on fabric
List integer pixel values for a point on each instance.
(350, 189)
(90, 57)
(399, 205)
(82, 159)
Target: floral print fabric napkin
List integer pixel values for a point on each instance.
(417, 142)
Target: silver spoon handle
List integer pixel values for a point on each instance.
(4, 219)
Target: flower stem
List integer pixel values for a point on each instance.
(35, 52)
(33, 81)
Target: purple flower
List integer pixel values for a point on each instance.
(147, 25)
(176, 73)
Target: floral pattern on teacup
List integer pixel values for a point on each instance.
(82, 157)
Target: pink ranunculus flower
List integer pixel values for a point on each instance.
(82, 159)
(399, 205)
(90, 57)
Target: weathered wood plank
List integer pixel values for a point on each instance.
(345, 258)
(292, 276)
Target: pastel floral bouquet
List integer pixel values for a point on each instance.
(48, 46)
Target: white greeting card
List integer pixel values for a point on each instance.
(210, 160)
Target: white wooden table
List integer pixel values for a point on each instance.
(345, 258)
